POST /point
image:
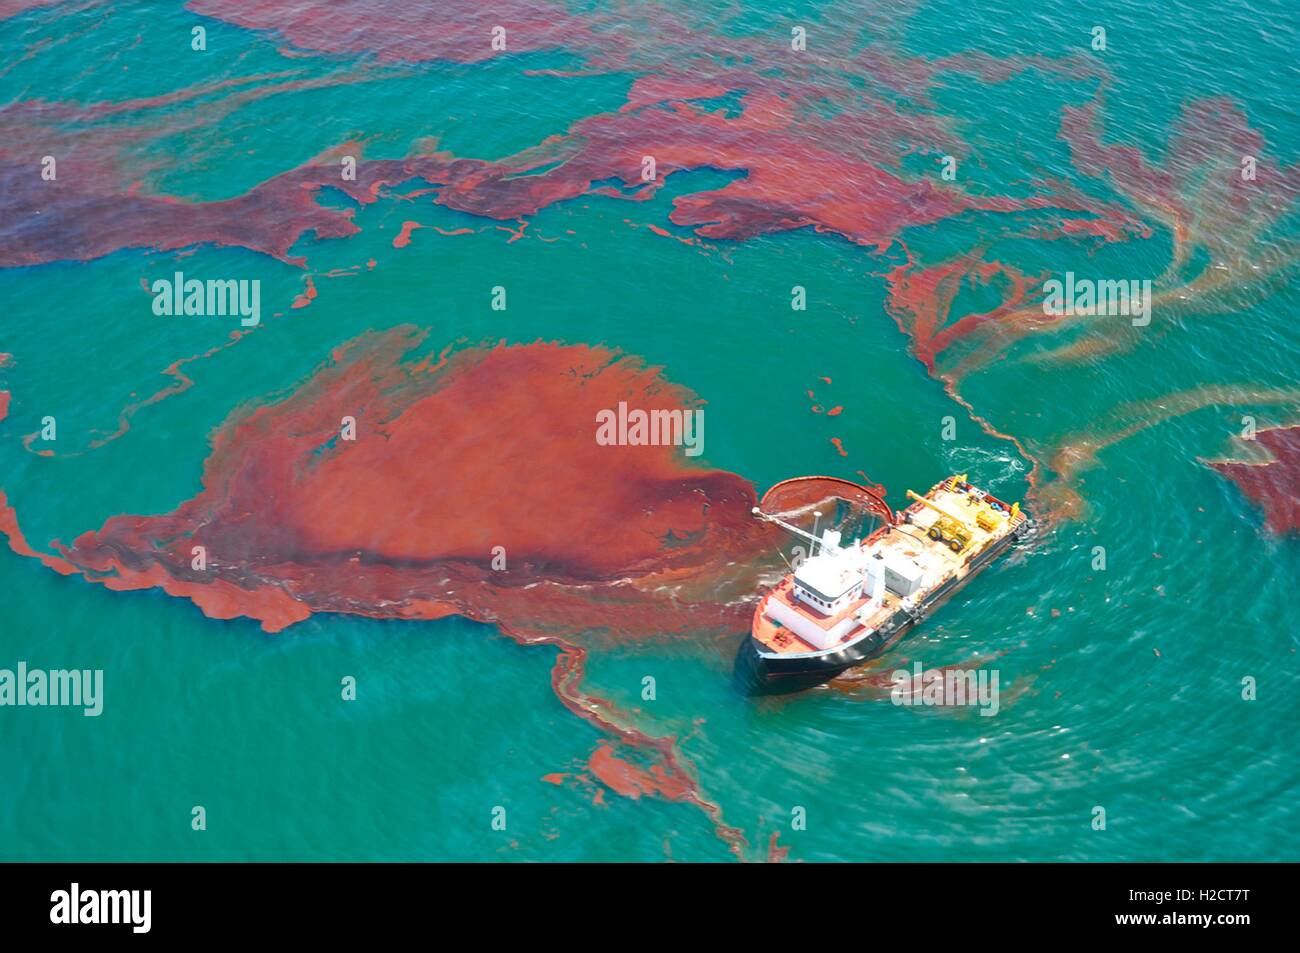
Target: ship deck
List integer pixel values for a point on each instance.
(776, 638)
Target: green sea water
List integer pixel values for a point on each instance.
(1122, 687)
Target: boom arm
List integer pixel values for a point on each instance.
(937, 508)
(793, 529)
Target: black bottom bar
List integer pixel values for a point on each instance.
(331, 903)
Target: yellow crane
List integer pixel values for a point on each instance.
(949, 529)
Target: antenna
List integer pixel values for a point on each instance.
(818, 518)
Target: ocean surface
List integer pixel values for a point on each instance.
(1122, 686)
